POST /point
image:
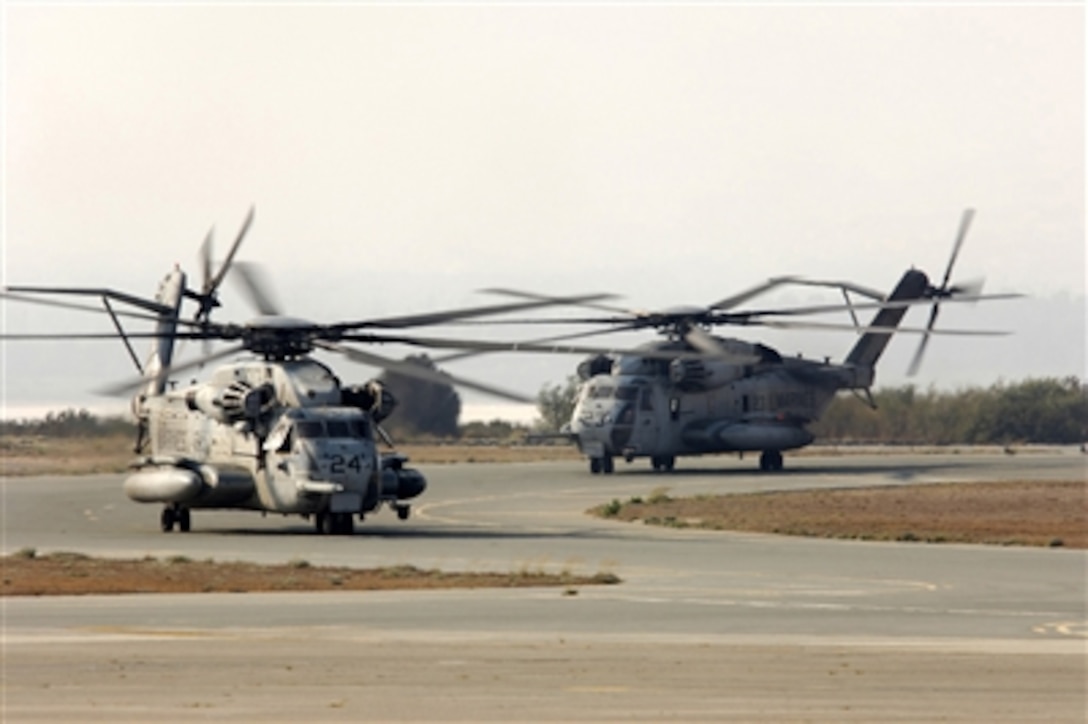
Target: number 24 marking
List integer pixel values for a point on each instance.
(339, 466)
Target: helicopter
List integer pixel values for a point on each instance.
(273, 430)
(643, 405)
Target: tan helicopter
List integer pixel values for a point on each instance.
(644, 405)
(276, 431)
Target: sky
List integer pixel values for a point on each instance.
(402, 157)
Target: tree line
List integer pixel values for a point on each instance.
(70, 423)
(1044, 410)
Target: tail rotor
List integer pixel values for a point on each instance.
(946, 291)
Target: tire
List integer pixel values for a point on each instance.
(185, 520)
(343, 524)
(167, 520)
(595, 466)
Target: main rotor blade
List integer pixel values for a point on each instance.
(744, 296)
(233, 250)
(543, 340)
(256, 288)
(423, 373)
(79, 307)
(841, 285)
(131, 385)
(518, 294)
(488, 346)
(148, 304)
(452, 315)
(741, 317)
(832, 327)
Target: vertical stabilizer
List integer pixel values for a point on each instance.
(868, 349)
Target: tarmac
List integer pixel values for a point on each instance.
(706, 626)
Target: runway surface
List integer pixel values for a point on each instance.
(705, 626)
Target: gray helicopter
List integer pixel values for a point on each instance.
(273, 430)
(644, 405)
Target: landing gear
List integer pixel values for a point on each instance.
(326, 523)
(601, 465)
(663, 463)
(770, 460)
(403, 511)
(175, 515)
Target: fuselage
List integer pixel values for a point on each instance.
(639, 409)
(273, 436)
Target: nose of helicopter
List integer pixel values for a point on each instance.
(346, 462)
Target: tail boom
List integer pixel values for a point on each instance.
(870, 347)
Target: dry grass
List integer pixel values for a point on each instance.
(1006, 513)
(28, 574)
(22, 455)
(466, 453)
(33, 455)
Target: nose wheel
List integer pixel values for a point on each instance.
(601, 465)
(326, 523)
(663, 463)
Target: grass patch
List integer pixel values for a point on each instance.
(75, 573)
(1047, 514)
(23, 455)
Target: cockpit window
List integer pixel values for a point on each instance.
(359, 428)
(602, 392)
(310, 429)
(338, 428)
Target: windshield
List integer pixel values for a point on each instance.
(600, 392)
(338, 428)
(317, 429)
(310, 429)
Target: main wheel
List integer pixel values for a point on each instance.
(595, 465)
(184, 520)
(323, 523)
(167, 519)
(770, 460)
(668, 462)
(607, 465)
(403, 511)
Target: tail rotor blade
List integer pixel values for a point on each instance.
(965, 224)
(206, 262)
(255, 285)
(916, 361)
(233, 250)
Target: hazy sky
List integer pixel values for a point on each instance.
(402, 157)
